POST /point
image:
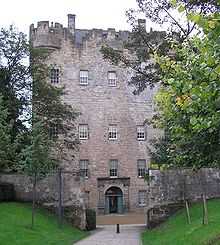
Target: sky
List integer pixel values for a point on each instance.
(90, 14)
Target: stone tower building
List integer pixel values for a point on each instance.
(112, 127)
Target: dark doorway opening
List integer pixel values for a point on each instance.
(113, 200)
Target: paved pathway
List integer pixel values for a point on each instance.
(106, 235)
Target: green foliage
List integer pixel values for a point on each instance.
(15, 82)
(185, 60)
(48, 105)
(6, 146)
(189, 104)
(176, 231)
(36, 158)
(90, 219)
(25, 89)
(141, 45)
(15, 228)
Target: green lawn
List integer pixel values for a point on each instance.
(177, 232)
(15, 219)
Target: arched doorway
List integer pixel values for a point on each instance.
(114, 200)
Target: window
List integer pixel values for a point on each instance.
(54, 75)
(141, 165)
(53, 131)
(83, 132)
(140, 133)
(113, 168)
(83, 165)
(83, 77)
(142, 198)
(112, 132)
(112, 78)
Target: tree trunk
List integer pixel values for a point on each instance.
(203, 195)
(205, 210)
(33, 199)
(184, 198)
(60, 209)
(187, 212)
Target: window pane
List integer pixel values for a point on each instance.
(113, 168)
(83, 131)
(84, 77)
(140, 133)
(142, 197)
(84, 164)
(112, 133)
(141, 164)
(112, 78)
(54, 75)
(111, 75)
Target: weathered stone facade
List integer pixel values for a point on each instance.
(47, 194)
(170, 186)
(101, 105)
(168, 189)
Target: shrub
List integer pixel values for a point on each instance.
(90, 219)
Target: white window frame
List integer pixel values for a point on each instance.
(113, 168)
(84, 77)
(141, 167)
(112, 82)
(112, 132)
(54, 76)
(142, 195)
(83, 131)
(84, 168)
(141, 133)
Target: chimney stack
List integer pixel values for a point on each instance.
(71, 23)
(142, 23)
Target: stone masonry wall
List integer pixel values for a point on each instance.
(48, 192)
(168, 189)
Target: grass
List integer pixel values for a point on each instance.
(15, 220)
(176, 231)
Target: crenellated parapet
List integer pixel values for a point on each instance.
(47, 34)
(52, 35)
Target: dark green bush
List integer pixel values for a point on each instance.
(90, 219)
(7, 192)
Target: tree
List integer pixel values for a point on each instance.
(48, 105)
(36, 159)
(189, 104)
(15, 80)
(171, 16)
(25, 89)
(171, 62)
(6, 146)
(34, 107)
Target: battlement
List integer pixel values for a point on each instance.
(110, 34)
(50, 35)
(47, 34)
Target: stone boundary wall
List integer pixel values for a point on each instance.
(47, 194)
(169, 188)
